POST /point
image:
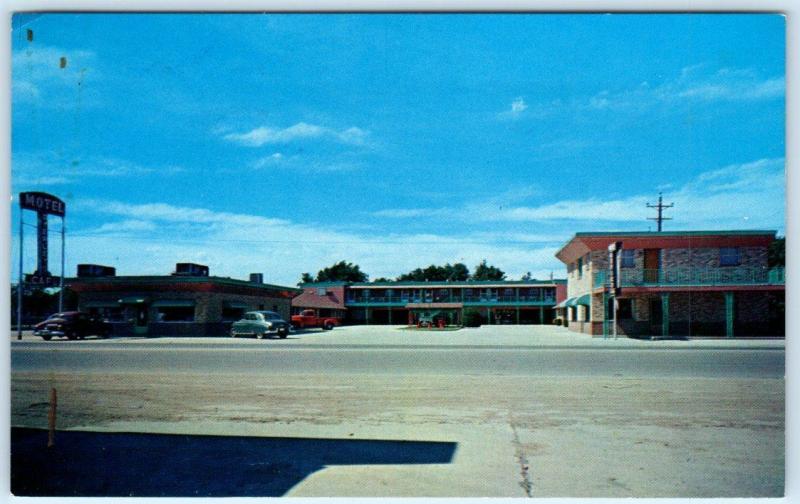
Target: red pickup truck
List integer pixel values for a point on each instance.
(308, 318)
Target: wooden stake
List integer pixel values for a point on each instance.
(51, 419)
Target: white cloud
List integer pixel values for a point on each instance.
(749, 194)
(518, 106)
(37, 76)
(694, 84)
(264, 135)
(49, 168)
(235, 244)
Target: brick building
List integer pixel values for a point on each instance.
(500, 302)
(188, 302)
(694, 283)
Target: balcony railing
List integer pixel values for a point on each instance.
(484, 299)
(694, 277)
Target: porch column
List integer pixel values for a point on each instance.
(541, 315)
(665, 313)
(390, 315)
(517, 315)
(729, 314)
(366, 316)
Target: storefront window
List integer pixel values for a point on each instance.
(175, 314)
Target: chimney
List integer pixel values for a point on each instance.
(257, 278)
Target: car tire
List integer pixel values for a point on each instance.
(72, 336)
(233, 333)
(105, 334)
(46, 338)
(260, 335)
(328, 326)
(282, 333)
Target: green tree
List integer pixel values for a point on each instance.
(433, 273)
(527, 277)
(342, 272)
(306, 278)
(776, 254)
(484, 271)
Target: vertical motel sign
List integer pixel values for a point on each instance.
(613, 280)
(44, 205)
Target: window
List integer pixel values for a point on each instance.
(626, 260)
(729, 256)
(232, 314)
(625, 309)
(321, 291)
(175, 313)
(573, 313)
(580, 267)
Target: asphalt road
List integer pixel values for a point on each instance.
(233, 358)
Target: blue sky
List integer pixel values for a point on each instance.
(283, 143)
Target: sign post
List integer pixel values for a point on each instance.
(20, 285)
(43, 204)
(613, 284)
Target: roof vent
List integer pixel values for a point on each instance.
(190, 269)
(95, 271)
(257, 278)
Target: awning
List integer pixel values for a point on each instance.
(585, 300)
(175, 302)
(563, 304)
(101, 304)
(134, 300)
(238, 305)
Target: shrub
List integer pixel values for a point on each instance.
(472, 318)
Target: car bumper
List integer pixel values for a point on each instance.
(48, 332)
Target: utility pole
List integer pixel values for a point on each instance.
(660, 206)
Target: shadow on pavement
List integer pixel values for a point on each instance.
(170, 465)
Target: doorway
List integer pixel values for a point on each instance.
(652, 265)
(656, 316)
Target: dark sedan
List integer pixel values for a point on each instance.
(72, 325)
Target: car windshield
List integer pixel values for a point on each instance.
(60, 316)
(271, 316)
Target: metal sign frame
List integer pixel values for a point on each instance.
(43, 204)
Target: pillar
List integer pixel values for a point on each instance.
(366, 316)
(665, 313)
(729, 314)
(390, 315)
(541, 315)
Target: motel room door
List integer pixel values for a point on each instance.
(656, 317)
(652, 265)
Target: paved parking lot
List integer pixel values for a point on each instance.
(492, 336)
(529, 411)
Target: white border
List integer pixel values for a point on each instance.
(792, 139)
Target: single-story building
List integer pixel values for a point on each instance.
(187, 302)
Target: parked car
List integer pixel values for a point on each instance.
(309, 318)
(72, 325)
(261, 324)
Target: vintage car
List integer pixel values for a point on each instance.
(72, 325)
(261, 324)
(309, 318)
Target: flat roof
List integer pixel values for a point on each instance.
(583, 242)
(437, 283)
(171, 279)
(734, 232)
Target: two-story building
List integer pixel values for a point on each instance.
(500, 302)
(682, 283)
